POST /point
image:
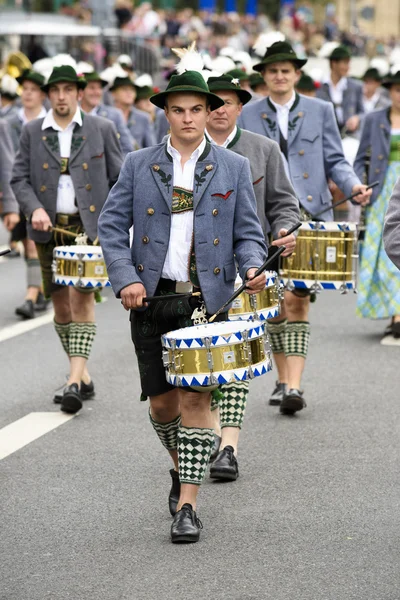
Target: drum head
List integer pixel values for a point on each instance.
(216, 334)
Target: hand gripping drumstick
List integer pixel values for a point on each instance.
(170, 297)
(321, 212)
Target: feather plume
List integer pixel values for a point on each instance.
(208, 74)
(327, 49)
(227, 51)
(144, 80)
(44, 66)
(265, 40)
(243, 59)
(64, 59)
(111, 73)
(8, 85)
(394, 69)
(381, 64)
(84, 67)
(190, 59)
(223, 64)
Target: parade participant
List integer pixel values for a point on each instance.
(343, 92)
(92, 104)
(378, 157)
(144, 91)
(65, 166)
(277, 209)
(374, 96)
(32, 98)
(307, 133)
(9, 209)
(391, 230)
(306, 86)
(194, 191)
(9, 95)
(138, 122)
(126, 63)
(258, 86)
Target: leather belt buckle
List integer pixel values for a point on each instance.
(183, 287)
(62, 219)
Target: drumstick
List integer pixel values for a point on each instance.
(170, 297)
(6, 251)
(64, 231)
(321, 212)
(291, 230)
(240, 289)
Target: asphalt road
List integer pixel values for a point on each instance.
(313, 516)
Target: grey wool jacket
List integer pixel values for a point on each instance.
(8, 202)
(94, 166)
(391, 228)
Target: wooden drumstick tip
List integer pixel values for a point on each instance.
(212, 319)
(196, 294)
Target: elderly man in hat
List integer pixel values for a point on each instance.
(198, 214)
(343, 92)
(65, 166)
(307, 132)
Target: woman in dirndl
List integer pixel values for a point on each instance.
(378, 158)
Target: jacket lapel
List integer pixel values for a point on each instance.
(385, 128)
(205, 170)
(270, 122)
(50, 142)
(296, 119)
(162, 170)
(78, 140)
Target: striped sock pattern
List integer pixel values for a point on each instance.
(194, 449)
(167, 432)
(233, 404)
(276, 334)
(297, 337)
(62, 330)
(81, 336)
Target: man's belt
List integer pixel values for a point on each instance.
(65, 220)
(176, 287)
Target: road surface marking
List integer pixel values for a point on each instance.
(28, 429)
(25, 326)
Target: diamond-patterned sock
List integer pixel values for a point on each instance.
(233, 404)
(167, 432)
(194, 448)
(276, 334)
(81, 336)
(216, 397)
(62, 330)
(297, 337)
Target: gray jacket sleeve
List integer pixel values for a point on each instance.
(391, 229)
(8, 202)
(21, 180)
(125, 139)
(113, 152)
(281, 205)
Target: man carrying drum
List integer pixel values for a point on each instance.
(66, 164)
(197, 215)
(278, 210)
(309, 138)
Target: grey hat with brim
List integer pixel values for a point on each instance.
(191, 82)
(280, 52)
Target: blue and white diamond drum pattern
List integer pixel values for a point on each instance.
(260, 307)
(80, 266)
(205, 356)
(325, 258)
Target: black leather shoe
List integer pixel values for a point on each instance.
(87, 392)
(26, 310)
(71, 401)
(278, 394)
(14, 253)
(186, 526)
(216, 445)
(225, 466)
(292, 402)
(41, 303)
(175, 492)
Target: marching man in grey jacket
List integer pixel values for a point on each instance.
(197, 214)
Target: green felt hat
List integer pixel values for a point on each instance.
(29, 75)
(279, 52)
(144, 92)
(306, 83)
(64, 74)
(94, 76)
(256, 79)
(121, 82)
(340, 53)
(391, 79)
(372, 73)
(228, 83)
(190, 81)
(237, 74)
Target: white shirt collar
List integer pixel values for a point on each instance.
(49, 120)
(22, 116)
(226, 142)
(286, 106)
(195, 154)
(340, 86)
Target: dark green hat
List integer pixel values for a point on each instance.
(340, 53)
(29, 75)
(372, 73)
(256, 79)
(190, 81)
(306, 83)
(64, 74)
(144, 92)
(391, 80)
(279, 52)
(238, 74)
(226, 83)
(93, 76)
(120, 82)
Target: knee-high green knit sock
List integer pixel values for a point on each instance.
(276, 334)
(81, 336)
(62, 330)
(233, 404)
(167, 432)
(194, 449)
(297, 337)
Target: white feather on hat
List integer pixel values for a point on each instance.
(381, 64)
(208, 74)
(190, 59)
(395, 68)
(265, 41)
(84, 67)
(8, 85)
(60, 60)
(243, 59)
(223, 64)
(144, 80)
(44, 66)
(124, 59)
(326, 49)
(227, 51)
(111, 73)
(394, 56)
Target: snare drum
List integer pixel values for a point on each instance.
(80, 266)
(205, 356)
(262, 306)
(325, 258)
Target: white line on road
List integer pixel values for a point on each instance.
(24, 326)
(29, 428)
